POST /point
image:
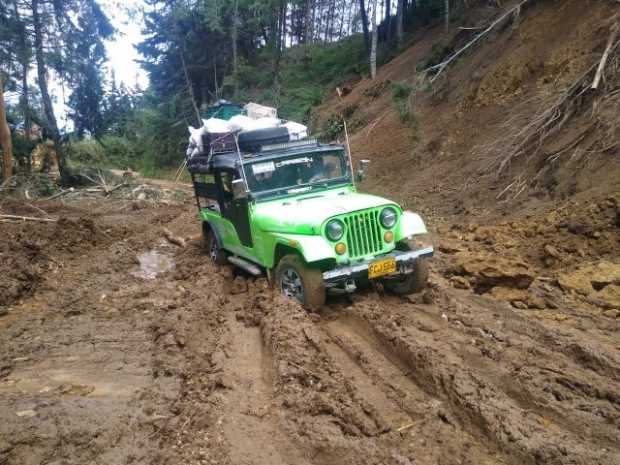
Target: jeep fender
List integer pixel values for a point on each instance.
(207, 226)
(312, 248)
(411, 225)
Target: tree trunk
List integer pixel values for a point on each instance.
(399, 20)
(24, 59)
(388, 20)
(309, 6)
(279, 39)
(343, 17)
(375, 36)
(190, 89)
(42, 74)
(365, 26)
(5, 137)
(447, 3)
(350, 18)
(235, 33)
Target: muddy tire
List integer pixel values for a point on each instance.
(216, 254)
(297, 281)
(411, 283)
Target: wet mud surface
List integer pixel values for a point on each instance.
(119, 347)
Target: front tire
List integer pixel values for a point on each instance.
(411, 283)
(297, 281)
(216, 254)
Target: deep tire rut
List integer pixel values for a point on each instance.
(250, 423)
(385, 381)
(504, 405)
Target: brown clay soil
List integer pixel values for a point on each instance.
(117, 347)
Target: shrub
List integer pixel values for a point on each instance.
(439, 52)
(401, 96)
(332, 128)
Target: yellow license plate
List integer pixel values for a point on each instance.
(381, 268)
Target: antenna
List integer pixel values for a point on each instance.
(346, 135)
(245, 180)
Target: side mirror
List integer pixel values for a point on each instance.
(238, 188)
(361, 170)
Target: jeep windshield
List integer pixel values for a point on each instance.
(296, 174)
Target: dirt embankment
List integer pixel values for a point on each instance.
(456, 152)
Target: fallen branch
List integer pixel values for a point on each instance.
(103, 183)
(40, 210)
(26, 218)
(173, 239)
(118, 186)
(601, 66)
(443, 65)
(60, 194)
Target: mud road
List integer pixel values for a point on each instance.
(117, 347)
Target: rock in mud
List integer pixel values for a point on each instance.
(460, 282)
(592, 280)
(597, 283)
(551, 251)
(519, 298)
(239, 286)
(26, 413)
(487, 271)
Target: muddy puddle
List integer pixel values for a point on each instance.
(152, 264)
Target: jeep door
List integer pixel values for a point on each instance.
(235, 210)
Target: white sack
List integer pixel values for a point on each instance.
(264, 123)
(241, 123)
(296, 131)
(256, 111)
(216, 125)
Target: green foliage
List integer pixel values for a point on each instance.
(86, 62)
(85, 152)
(401, 97)
(307, 74)
(439, 52)
(332, 128)
(22, 148)
(401, 90)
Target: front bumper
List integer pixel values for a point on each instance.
(404, 264)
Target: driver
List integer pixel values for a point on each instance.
(324, 173)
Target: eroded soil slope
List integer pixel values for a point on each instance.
(128, 349)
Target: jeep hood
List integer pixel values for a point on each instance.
(305, 214)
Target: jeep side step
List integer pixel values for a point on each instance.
(246, 265)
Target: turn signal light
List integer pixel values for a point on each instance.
(388, 236)
(341, 248)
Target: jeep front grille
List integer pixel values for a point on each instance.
(363, 233)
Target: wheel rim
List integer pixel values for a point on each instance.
(291, 285)
(214, 250)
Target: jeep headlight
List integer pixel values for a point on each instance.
(334, 230)
(388, 217)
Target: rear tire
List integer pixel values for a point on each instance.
(216, 254)
(297, 281)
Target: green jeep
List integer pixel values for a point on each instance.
(292, 211)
